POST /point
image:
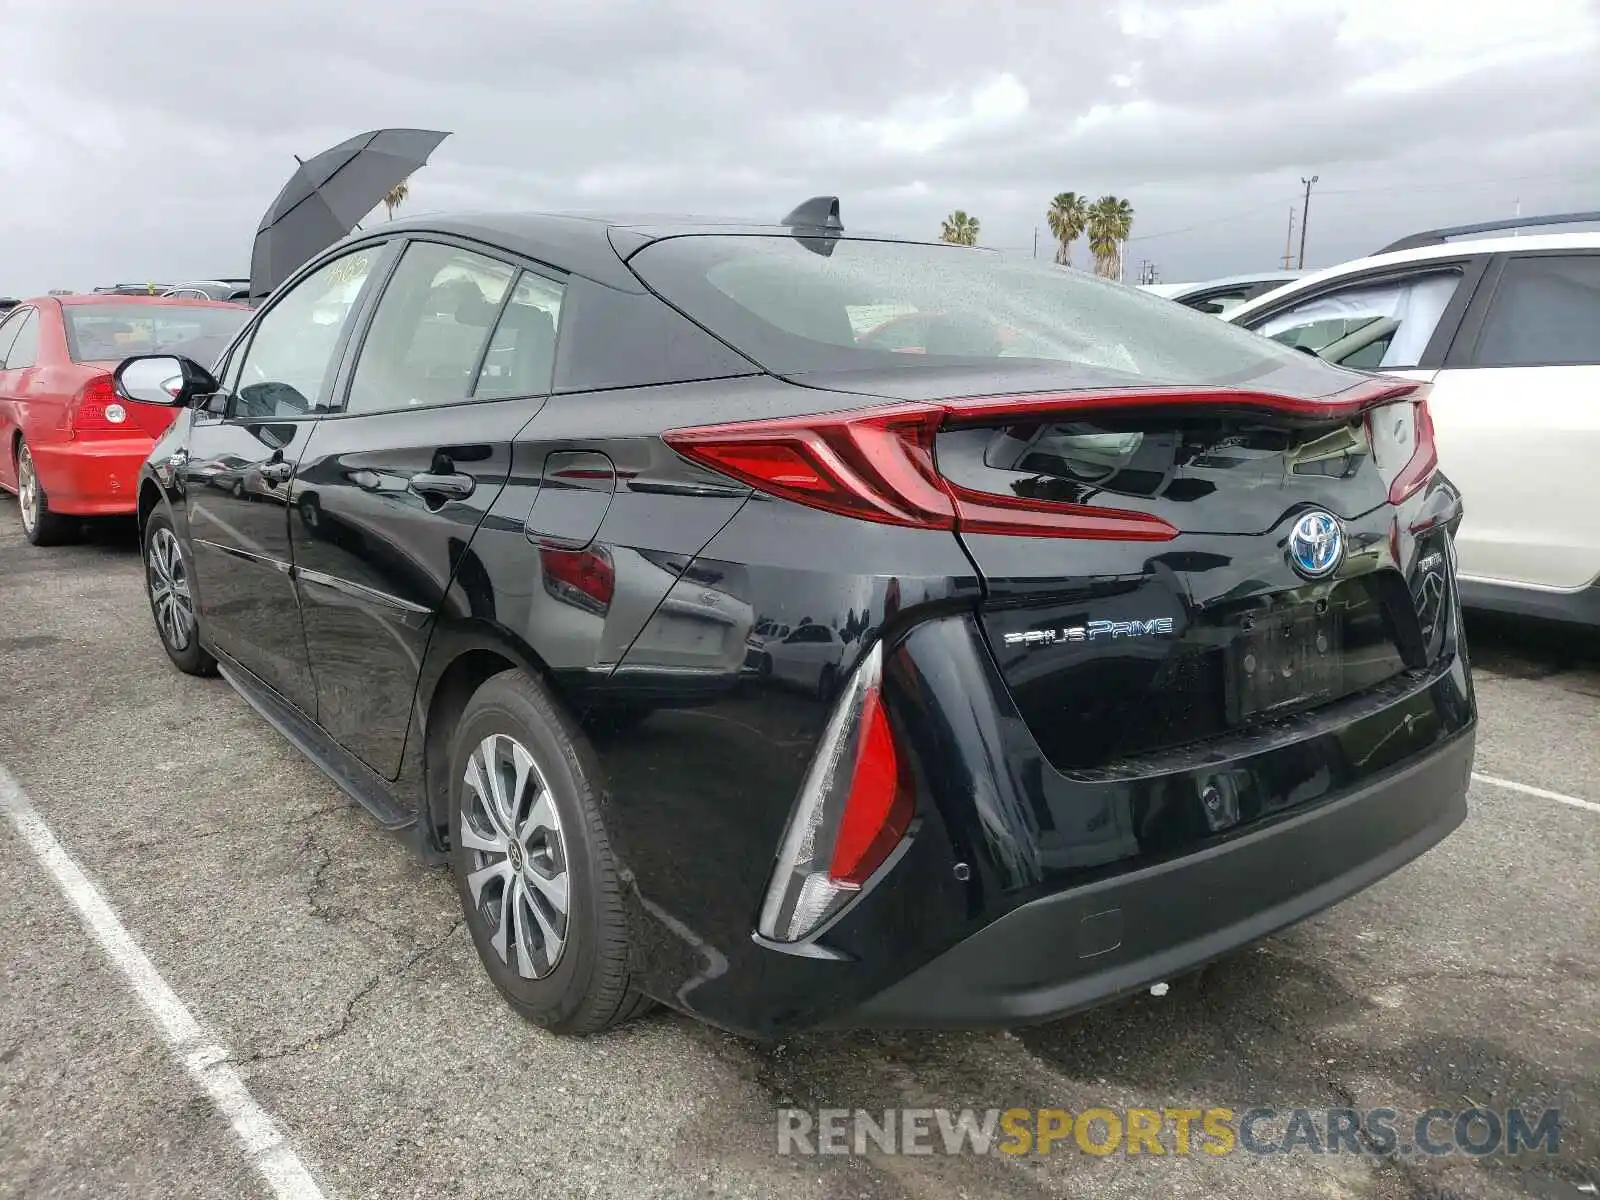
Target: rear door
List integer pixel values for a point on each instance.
(244, 445)
(1517, 412)
(456, 359)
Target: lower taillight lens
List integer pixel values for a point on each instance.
(852, 812)
(584, 579)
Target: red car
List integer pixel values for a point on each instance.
(69, 446)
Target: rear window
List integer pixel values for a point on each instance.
(106, 332)
(795, 305)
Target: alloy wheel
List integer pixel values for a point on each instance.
(27, 489)
(169, 589)
(517, 872)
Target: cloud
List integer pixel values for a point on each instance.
(145, 141)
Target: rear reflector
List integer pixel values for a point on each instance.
(582, 578)
(877, 464)
(852, 812)
(878, 809)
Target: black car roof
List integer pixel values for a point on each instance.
(589, 244)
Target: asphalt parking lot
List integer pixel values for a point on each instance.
(333, 971)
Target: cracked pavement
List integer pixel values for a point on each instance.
(336, 971)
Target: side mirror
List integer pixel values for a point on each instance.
(162, 379)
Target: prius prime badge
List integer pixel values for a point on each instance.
(1316, 544)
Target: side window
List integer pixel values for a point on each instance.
(1545, 312)
(1372, 326)
(1219, 303)
(522, 353)
(8, 332)
(24, 352)
(428, 333)
(290, 358)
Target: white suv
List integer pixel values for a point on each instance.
(1508, 330)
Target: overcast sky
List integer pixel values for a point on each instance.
(144, 140)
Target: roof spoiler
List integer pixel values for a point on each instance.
(1438, 237)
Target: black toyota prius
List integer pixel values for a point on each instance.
(804, 628)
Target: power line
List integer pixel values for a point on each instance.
(1223, 220)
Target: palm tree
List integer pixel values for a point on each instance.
(1109, 221)
(960, 229)
(1067, 215)
(396, 196)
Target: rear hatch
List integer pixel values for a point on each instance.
(1135, 547)
(1125, 475)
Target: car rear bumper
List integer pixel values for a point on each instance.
(1305, 808)
(97, 478)
(1081, 947)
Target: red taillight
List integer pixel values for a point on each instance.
(97, 408)
(582, 578)
(877, 464)
(878, 809)
(1423, 462)
(853, 810)
(1403, 448)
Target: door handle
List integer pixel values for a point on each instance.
(454, 486)
(275, 473)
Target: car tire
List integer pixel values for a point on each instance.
(168, 585)
(39, 525)
(517, 852)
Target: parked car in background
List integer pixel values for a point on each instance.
(69, 447)
(1114, 662)
(1221, 296)
(235, 290)
(7, 303)
(1507, 331)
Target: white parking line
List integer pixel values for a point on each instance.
(1543, 794)
(205, 1060)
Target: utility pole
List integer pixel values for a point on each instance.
(1305, 210)
(1288, 241)
(1036, 241)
